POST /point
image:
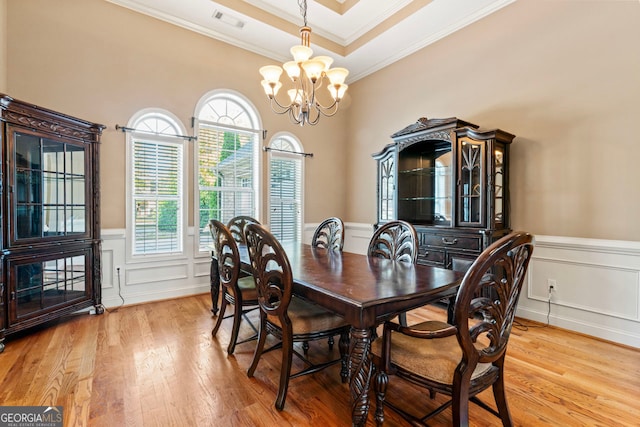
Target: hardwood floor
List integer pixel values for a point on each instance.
(156, 365)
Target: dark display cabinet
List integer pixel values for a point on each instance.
(449, 179)
(50, 216)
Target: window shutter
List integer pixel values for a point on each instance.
(157, 195)
(225, 176)
(285, 198)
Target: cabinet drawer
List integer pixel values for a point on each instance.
(431, 257)
(453, 241)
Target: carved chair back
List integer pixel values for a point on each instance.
(227, 255)
(271, 271)
(237, 224)
(329, 235)
(395, 240)
(487, 298)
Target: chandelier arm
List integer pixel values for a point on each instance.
(327, 111)
(284, 108)
(295, 120)
(316, 120)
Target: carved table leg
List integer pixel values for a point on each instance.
(214, 279)
(360, 369)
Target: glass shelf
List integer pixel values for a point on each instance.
(428, 198)
(50, 188)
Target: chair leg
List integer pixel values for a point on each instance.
(223, 308)
(460, 400)
(402, 317)
(501, 400)
(343, 345)
(380, 386)
(235, 329)
(262, 337)
(285, 369)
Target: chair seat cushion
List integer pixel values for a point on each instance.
(309, 318)
(248, 288)
(433, 359)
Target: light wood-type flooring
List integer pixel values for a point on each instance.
(156, 364)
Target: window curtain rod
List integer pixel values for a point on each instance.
(289, 152)
(126, 129)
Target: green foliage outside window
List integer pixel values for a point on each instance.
(209, 176)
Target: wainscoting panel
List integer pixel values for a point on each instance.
(597, 287)
(107, 273)
(126, 283)
(202, 267)
(603, 289)
(142, 274)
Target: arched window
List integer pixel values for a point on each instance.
(286, 187)
(227, 160)
(156, 203)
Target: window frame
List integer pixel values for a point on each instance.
(256, 128)
(179, 141)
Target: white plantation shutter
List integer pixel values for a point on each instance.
(157, 197)
(226, 152)
(285, 191)
(155, 208)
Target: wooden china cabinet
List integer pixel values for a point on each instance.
(50, 246)
(449, 179)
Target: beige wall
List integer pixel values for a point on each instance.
(3, 46)
(563, 76)
(101, 62)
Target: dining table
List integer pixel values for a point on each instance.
(366, 291)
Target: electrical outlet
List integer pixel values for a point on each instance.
(552, 285)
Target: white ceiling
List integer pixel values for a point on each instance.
(361, 35)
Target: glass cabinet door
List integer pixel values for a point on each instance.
(499, 184)
(425, 184)
(471, 182)
(47, 283)
(387, 188)
(50, 187)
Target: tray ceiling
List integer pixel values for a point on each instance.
(361, 35)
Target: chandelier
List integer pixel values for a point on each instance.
(308, 75)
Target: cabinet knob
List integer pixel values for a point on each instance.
(449, 242)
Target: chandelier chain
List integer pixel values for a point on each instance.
(303, 10)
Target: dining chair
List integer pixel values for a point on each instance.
(329, 234)
(288, 318)
(396, 240)
(465, 357)
(237, 224)
(240, 292)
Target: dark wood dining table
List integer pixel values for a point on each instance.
(365, 291)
